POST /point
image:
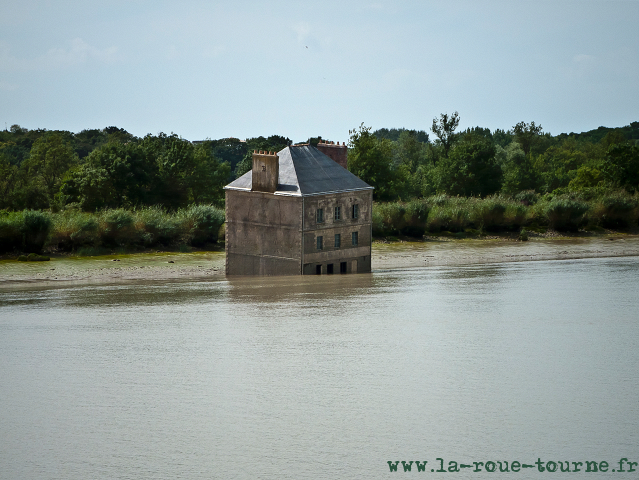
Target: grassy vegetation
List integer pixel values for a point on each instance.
(120, 230)
(112, 229)
(462, 216)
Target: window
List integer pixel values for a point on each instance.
(338, 240)
(342, 267)
(354, 238)
(355, 211)
(329, 268)
(320, 242)
(320, 215)
(338, 213)
(318, 269)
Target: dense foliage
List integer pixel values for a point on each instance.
(110, 168)
(477, 162)
(74, 230)
(97, 187)
(463, 216)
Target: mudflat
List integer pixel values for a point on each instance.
(163, 266)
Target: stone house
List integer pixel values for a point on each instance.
(298, 212)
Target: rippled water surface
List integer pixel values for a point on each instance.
(323, 377)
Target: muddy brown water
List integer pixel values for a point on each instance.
(325, 377)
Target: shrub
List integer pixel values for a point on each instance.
(73, 229)
(391, 217)
(35, 229)
(25, 231)
(156, 226)
(452, 215)
(566, 213)
(415, 217)
(516, 215)
(488, 213)
(116, 228)
(378, 221)
(617, 210)
(200, 224)
(527, 197)
(10, 235)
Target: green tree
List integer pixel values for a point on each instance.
(274, 143)
(8, 179)
(50, 158)
(585, 177)
(517, 169)
(114, 175)
(90, 187)
(470, 169)
(444, 128)
(621, 166)
(209, 177)
(175, 163)
(371, 160)
(409, 151)
(88, 140)
(230, 150)
(526, 134)
(558, 165)
(394, 134)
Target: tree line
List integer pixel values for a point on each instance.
(111, 168)
(405, 164)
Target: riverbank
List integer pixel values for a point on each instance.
(203, 265)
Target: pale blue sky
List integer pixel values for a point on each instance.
(242, 69)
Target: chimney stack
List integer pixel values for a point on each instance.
(338, 153)
(266, 171)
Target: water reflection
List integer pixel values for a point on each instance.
(109, 296)
(300, 288)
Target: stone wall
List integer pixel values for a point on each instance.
(263, 234)
(269, 234)
(357, 257)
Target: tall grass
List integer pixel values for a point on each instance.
(26, 231)
(565, 213)
(200, 224)
(616, 210)
(501, 213)
(72, 230)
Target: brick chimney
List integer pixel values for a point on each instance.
(266, 171)
(338, 153)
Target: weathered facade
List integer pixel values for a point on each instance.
(298, 212)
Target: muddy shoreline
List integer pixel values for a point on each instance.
(209, 265)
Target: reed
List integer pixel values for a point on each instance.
(24, 231)
(565, 213)
(616, 210)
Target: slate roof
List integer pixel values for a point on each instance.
(305, 171)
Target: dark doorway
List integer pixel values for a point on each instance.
(342, 267)
(329, 268)
(318, 270)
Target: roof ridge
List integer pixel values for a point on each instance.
(305, 170)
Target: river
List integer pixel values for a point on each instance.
(324, 377)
